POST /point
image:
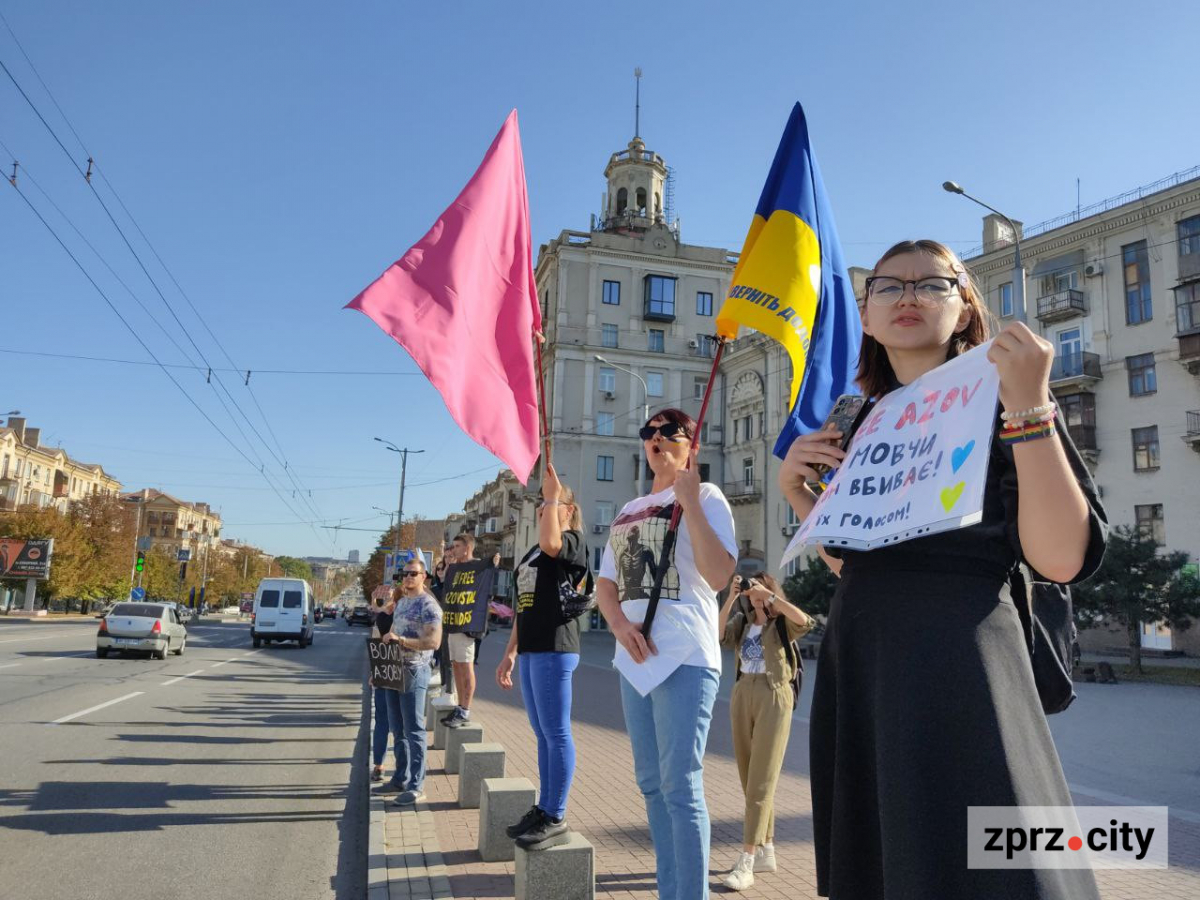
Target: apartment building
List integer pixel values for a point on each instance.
(1115, 287)
(44, 476)
(168, 523)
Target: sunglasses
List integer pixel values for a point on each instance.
(667, 429)
(412, 573)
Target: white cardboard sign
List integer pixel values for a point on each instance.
(918, 464)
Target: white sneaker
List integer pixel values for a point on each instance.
(764, 858)
(742, 875)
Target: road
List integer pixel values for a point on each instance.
(224, 772)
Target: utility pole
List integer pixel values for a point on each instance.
(403, 451)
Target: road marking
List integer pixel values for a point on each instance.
(181, 677)
(48, 637)
(92, 709)
(251, 653)
(9, 665)
(222, 662)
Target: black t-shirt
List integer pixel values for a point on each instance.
(540, 628)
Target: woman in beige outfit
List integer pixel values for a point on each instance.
(759, 624)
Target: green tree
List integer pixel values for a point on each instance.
(812, 587)
(1135, 585)
(294, 568)
(371, 574)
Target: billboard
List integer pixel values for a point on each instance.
(25, 557)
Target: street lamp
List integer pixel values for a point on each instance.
(953, 187)
(400, 505)
(637, 475)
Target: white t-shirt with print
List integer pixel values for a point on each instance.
(685, 626)
(751, 651)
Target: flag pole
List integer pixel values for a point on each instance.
(664, 561)
(539, 339)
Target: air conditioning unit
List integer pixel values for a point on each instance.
(694, 344)
(597, 529)
(1094, 268)
(609, 395)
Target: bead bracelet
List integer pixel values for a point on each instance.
(1018, 424)
(1033, 413)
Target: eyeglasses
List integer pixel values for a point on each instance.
(932, 291)
(412, 573)
(667, 429)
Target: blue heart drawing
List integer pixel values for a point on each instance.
(960, 454)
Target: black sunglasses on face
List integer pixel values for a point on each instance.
(667, 429)
(412, 573)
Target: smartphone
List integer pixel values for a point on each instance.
(846, 415)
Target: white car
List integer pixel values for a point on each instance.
(142, 627)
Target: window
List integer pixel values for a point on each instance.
(1145, 449)
(1065, 281)
(1142, 379)
(622, 200)
(604, 512)
(660, 297)
(612, 293)
(608, 335)
(1136, 262)
(604, 468)
(605, 423)
(746, 424)
(791, 520)
(291, 599)
(699, 385)
(1150, 522)
(792, 567)
(269, 600)
(654, 384)
(1006, 299)
(703, 304)
(597, 558)
(1189, 236)
(705, 346)
(656, 342)
(748, 472)
(1187, 307)
(704, 471)
(641, 200)
(608, 379)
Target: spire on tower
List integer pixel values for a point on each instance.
(637, 104)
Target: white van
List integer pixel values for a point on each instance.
(283, 611)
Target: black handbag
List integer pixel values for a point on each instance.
(1046, 618)
(574, 600)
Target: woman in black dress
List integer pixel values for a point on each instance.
(924, 703)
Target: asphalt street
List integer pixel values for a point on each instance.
(224, 772)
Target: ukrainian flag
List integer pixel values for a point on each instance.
(792, 285)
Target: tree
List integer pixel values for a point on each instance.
(1135, 585)
(294, 568)
(371, 575)
(812, 587)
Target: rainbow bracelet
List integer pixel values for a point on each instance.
(1028, 433)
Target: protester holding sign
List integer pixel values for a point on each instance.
(548, 645)
(669, 678)
(759, 624)
(417, 628)
(925, 702)
(381, 626)
(466, 590)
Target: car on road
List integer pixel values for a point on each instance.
(331, 609)
(361, 615)
(152, 628)
(283, 611)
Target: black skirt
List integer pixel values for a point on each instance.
(924, 705)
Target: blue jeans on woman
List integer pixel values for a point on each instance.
(380, 736)
(546, 687)
(406, 717)
(668, 729)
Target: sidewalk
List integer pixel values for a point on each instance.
(607, 809)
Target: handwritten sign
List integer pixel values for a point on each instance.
(387, 664)
(918, 464)
(468, 587)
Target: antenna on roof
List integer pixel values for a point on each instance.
(637, 107)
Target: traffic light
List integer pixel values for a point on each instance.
(141, 562)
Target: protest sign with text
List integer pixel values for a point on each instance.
(387, 664)
(917, 465)
(465, 597)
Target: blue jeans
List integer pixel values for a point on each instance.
(668, 729)
(380, 736)
(546, 687)
(406, 716)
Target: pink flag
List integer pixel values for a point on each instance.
(463, 303)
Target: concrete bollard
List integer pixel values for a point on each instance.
(441, 707)
(455, 738)
(502, 802)
(475, 763)
(565, 872)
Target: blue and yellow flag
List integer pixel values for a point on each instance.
(792, 285)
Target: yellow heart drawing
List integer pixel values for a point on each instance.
(950, 495)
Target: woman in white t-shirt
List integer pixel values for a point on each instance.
(669, 678)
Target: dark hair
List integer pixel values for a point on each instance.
(768, 581)
(875, 374)
(465, 538)
(678, 416)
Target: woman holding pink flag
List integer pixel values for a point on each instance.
(925, 704)
(669, 678)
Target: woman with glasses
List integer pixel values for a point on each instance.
(758, 624)
(669, 677)
(925, 703)
(417, 627)
(548, 647)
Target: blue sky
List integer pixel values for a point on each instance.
(279, 155)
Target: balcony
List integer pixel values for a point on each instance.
(1061, 305)
(1074, 372)
(745, 491)
(1192, 433)
(1083, 436)
(1189, 351)
(1189, 267)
